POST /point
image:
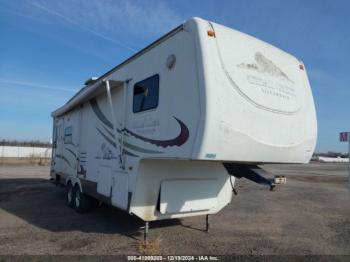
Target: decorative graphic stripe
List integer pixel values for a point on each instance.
(108, 131)
(70, 143)
(113, 143)
(70, 151)
(129, 153)
(140, 149)
(64, 159)
(107, 138)
(133, 147)
(99, 113)
(177, 141)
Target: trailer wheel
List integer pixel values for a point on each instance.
(57, 180)
(70, 195)
(81, 201)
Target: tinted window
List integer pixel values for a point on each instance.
(146, 94)
(68, 135)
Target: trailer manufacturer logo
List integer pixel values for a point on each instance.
(210, 155)
(264, 65)
(177, 141)
(261, 82)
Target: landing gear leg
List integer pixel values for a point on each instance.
(207, 223)
(145, 232)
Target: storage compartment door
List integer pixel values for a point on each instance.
(181, 196)
(104, 183)
(120, 190)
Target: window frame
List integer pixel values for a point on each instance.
(133, 94)
(68, 135)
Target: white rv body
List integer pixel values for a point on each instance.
(223, 96)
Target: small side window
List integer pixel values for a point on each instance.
(68, 135)
(54, 137)
(146, 94)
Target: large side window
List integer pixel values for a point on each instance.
(146, 94)
(68, 135)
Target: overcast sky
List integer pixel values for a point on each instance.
(49, 48)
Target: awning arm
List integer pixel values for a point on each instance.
(118, 141)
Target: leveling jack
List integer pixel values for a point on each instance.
(146, 228)
(207, 223)
(145, 231)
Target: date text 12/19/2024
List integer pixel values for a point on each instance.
(172, 258)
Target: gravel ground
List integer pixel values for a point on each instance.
(309, 215)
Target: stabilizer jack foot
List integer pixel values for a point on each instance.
(207, 223)
(145, 231)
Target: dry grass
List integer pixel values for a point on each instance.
(152, 247)
(36, 161)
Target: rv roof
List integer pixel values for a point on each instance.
(91, 86)
(91, 80)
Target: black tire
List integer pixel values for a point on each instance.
(81, 201)
(57, 180)
(70, 195)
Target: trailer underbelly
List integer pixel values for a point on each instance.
(179, 188)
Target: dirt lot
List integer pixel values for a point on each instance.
(308, 215)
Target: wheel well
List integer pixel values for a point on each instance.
(69, 182)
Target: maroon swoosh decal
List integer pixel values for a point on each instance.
(177, 141)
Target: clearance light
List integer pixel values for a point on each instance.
(301, 67)
(211, 33)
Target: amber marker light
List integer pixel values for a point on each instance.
(211, 33)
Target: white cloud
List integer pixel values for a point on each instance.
(121, 27)
(77, 23)
(119, 22)
(35, 85)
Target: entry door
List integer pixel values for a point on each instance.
(82, 142)
(58, 166)
(120, 177)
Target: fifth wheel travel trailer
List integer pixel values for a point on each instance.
(165, 133)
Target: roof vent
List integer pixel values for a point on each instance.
(91, 80)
